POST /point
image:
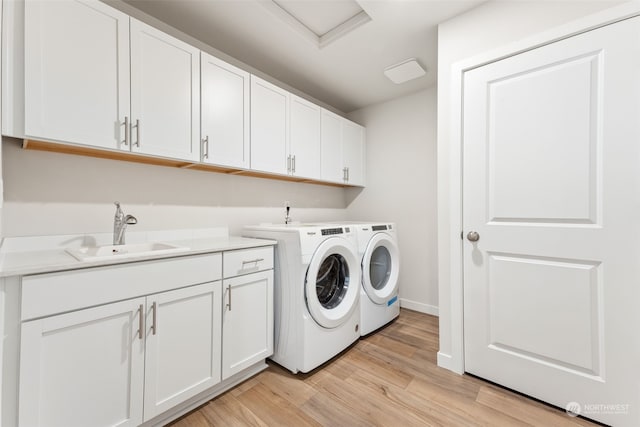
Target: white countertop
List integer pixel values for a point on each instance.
(34, 255)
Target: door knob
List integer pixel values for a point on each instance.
(473, 236)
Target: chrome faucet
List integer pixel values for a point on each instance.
(120, 222)
(287, 217)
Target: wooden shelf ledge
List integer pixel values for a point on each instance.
(54, 147)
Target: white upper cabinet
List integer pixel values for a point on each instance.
(165, 94)
(269, 125)
(225, 113)
(304, 139)
(331, 148)
(76, 72)
(94, 76)
(342, 150)
(353, 152)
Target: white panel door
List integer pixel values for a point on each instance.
(76, 72)
(247, 321)
(552, 187)
(83, 368)
(269, 125)
(331, 166)
(225, 113)
(165, 94)
(353, 152)
(183, 345)
(304, 143)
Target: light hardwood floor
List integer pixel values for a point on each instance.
(389, 378)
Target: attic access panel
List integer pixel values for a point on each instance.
(320, 22)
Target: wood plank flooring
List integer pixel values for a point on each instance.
(390, 378)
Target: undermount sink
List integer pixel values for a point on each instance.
(97, 253)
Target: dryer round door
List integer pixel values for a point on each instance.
(380, 268)
(332, 282)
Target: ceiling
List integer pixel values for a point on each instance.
(310, 44)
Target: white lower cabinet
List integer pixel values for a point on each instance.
(247, 324)
(93, 366)
(95, 353)
(182, 356)
(84, 368)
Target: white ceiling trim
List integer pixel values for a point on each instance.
(318, 41)
(344, 28)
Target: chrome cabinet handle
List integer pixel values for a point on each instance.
(289, 163)
(252, 261)
(473, 236)
(127, 130)
(347, 174)
(137, 126)
(154, 325)
(344, 174)
(140, 321)
(205, 147)
(229, 292)
(293, 163)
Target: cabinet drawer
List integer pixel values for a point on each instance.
(245, 261)
(47, 294)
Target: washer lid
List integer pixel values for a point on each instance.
(332, 282)
(380, 268)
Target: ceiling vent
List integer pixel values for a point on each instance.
(318, 21)
(404, 71)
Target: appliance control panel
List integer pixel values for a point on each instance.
(380, 227)
(332, 231)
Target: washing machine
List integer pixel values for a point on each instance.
(316, 292)
(380, 261)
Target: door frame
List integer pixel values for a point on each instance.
(451, 274)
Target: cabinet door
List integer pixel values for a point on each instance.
(83, 368)
(304, 139)
(269, 115)
(165, 94)
(331, 148)
(183, 345)
(76, 72)
(247, 322)
(353, 152)
(225, 113)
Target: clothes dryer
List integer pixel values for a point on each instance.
(380, 261)
(316, 292)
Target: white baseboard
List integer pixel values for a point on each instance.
(446, 361)
(419, 306)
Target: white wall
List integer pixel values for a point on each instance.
(490, 26)
(50, 193)
(401, 187)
